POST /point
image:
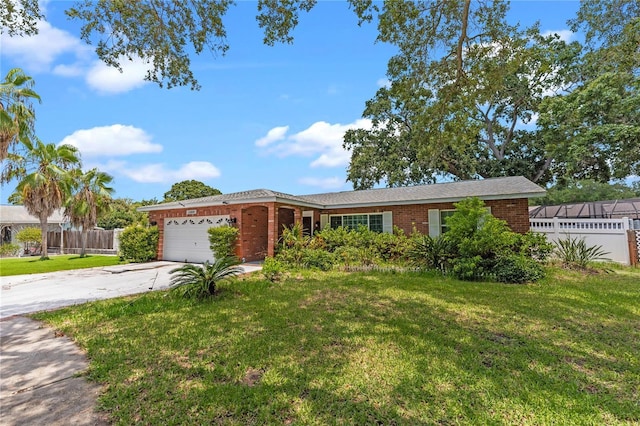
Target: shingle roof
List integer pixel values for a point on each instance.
(19, 215)
(504, 187)
(487, 189)
(243, 196)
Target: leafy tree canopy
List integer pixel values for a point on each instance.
(587, 190)
(164, 33)
(472, 95)
(122, 213)
(188, 189)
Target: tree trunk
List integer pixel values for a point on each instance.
(83, 250)
(44, 254)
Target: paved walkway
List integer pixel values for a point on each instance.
(39, 382)
(38, 378)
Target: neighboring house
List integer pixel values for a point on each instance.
(15, 218)
(261, 214)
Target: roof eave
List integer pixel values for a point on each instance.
(435, 200)
(175, 206)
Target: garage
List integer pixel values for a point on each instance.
(187, 240)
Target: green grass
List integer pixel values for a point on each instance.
(33, 265)
(370, 348)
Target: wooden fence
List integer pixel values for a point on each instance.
(98, 241)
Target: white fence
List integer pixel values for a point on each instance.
(611, 234)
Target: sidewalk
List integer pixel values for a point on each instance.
(38, 378)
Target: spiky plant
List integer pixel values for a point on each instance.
(576, 252)
(200, 281)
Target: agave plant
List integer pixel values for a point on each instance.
(199, 281)
(575, 251)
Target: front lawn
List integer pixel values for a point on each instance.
(370, 348)
(33, 265)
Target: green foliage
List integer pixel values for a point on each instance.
(534, 245)
(199, 281)
(17, 116)
(574, 252)
(139, 244)
(18, 265)
(222, 240)
(122, 213)
(475, 232)
(469, 268)
(272, 269)
(9, 249)
(189, 189)
(486, 248)
(29, 236)
(576, 191)
(517, 269)
(432, 253)
(341, 245)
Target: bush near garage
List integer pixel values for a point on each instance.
(222, 240)
(139, 244)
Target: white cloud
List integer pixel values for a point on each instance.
(159, 173)
(324, 183)
(321, 140)
(565, 35)
(384, 82)
(273, 135)
(111, 141)
(108, 80)
(37, 53)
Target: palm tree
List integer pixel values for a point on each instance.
(90, 199)
(44, 184)
(200, 280)
(16, 112)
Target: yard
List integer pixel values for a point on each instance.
(370, 348)
(33, 264)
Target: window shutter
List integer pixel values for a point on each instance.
(324, 221)
(387, 222)
(434, 222)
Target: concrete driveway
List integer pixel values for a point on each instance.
(23, 294)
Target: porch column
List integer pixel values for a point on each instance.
(272, 229)
(297, 215)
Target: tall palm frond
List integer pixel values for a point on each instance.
(90, 198)
(44, 185)
(17, 116)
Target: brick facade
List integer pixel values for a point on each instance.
(261, 224)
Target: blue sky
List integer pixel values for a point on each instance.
(266, 117)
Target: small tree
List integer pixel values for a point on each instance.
(30, 237)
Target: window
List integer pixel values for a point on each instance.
(444, 214)
(373, 222)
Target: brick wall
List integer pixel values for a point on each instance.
(410, 217)
(261, 224)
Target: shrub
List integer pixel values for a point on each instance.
(469, 268)
(222, 240)
(272, 269)
(432, 253)
(139, 244)
(9, 249)
(575, 252)
(200, 281)
(534, 245)
(517, 269)
(30, 237)
(318, 259)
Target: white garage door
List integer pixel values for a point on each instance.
(187, 240)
